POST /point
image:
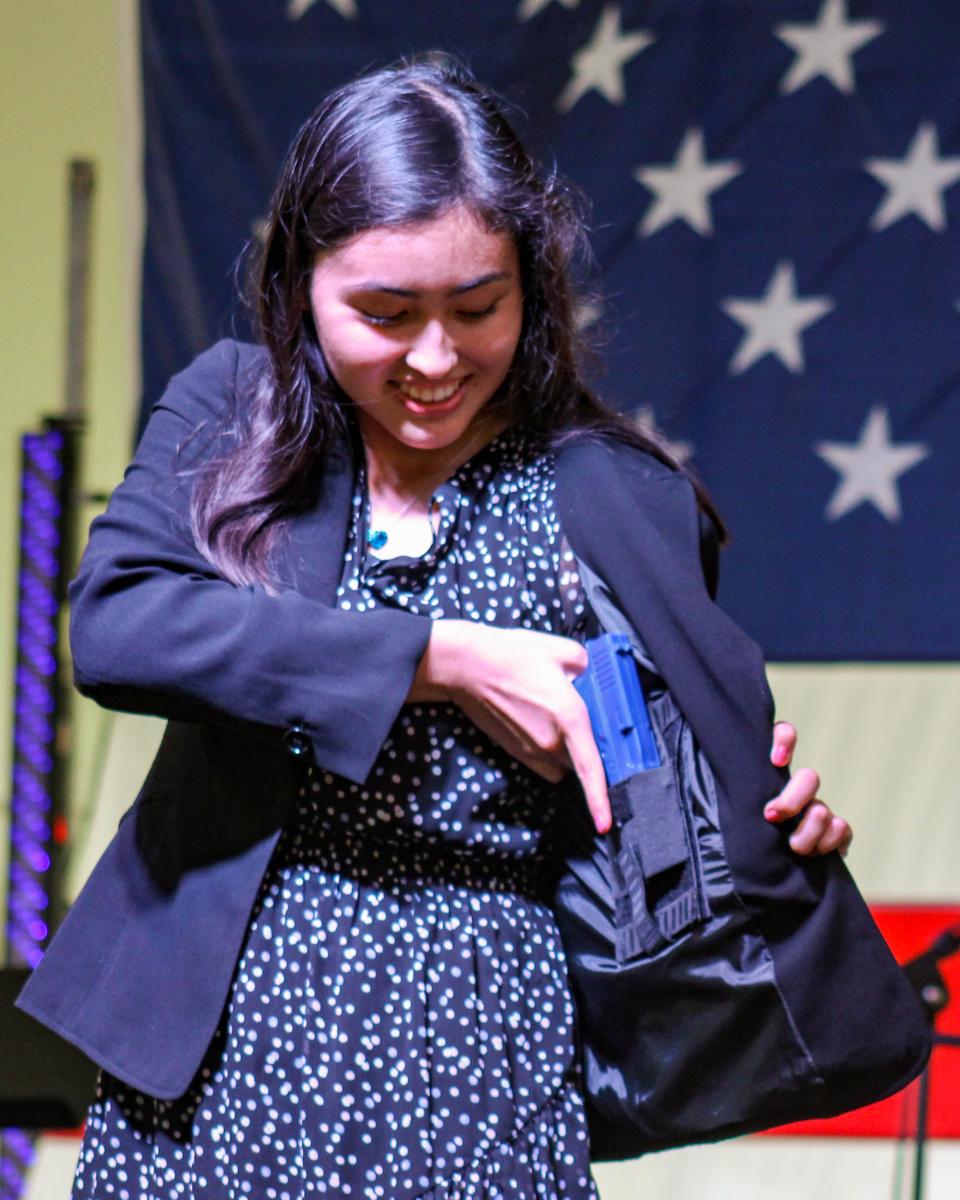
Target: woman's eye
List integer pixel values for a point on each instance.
(381, 318)
(473, 314)
(386, 319)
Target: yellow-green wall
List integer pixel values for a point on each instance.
(69, 88)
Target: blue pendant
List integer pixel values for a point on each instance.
(377, 538)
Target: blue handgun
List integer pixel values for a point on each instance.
(611, 690)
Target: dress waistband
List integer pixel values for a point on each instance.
(316, 837)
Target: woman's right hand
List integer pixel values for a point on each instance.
(517, 686)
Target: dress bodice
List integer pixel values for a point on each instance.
(497, 557)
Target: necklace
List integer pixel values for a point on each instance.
(378, 538)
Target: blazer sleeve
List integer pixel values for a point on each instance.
(154, 629)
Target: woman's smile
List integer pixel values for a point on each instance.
(432, 400)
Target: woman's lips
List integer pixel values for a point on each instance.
(423, 406)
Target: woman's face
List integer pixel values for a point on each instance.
(418, 325)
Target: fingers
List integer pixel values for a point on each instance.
(784, 744)
(585, 758)
(580, 744)
(819, 830)
(797, 794)
(545, 768)
(575, 657)
(512, 740)
(518, 688)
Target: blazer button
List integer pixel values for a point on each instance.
(296, 741)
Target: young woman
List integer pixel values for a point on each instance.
(319, 957)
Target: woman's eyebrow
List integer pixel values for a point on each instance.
(480, 281)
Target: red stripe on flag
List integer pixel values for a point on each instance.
(909, 930)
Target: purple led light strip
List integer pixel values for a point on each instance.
(34, 698)
(17, 1152)
(34, 734)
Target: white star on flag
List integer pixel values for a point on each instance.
(643, 416)
(600, 63)
(774, 324)
(296, 8)
(683, 188)
(870, 468)
(826, 47)
(530, 8)
(916, 183)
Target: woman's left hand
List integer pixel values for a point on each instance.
(819, 830)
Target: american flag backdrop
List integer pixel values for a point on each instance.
(775, 216)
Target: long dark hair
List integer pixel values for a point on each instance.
(399, 145)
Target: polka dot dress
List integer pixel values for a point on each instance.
(400, 1023)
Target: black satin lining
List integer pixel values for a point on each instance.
(657, 941)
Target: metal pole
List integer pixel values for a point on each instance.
(923, 1108)
(78, 287)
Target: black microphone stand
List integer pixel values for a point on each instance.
(928, 982)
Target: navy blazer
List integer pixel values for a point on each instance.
(255, 686)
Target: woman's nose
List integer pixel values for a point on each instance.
(433, 354)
